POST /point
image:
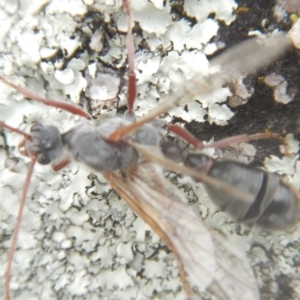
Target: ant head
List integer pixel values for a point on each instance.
(45, 143)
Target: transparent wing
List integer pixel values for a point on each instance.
(210, 263)
(241, 59)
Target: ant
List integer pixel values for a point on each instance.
(125, 149)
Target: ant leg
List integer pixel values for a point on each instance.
(21, 207)
(191, 139)
(17, 228)
(128, 129)
(185, 135)
(13, 129)
(61, 105)
(56, 166)
(22, 148)
(26, 136)
(131, 93)
(246, 138)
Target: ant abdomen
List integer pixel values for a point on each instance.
(274, 205)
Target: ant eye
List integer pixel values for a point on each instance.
(43, 159)
(36, 127)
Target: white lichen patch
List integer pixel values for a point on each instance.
(243, 152)
(78, 239)
(201, 10)
(286, 164)
(102, 88)
(241, 93)
(279, 85)
(295, 34)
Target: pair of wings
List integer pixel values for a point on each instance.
(205, 259)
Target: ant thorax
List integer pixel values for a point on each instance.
(88, 144)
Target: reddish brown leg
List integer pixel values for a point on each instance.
(26, 136)
(17, 227)
(186, 135)
(61, 105)
(13, 129)
(21, 206)
(245, 138)
(126, 130)
(21, 147)
(56, 166)
(191, 139)
(131, 93)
